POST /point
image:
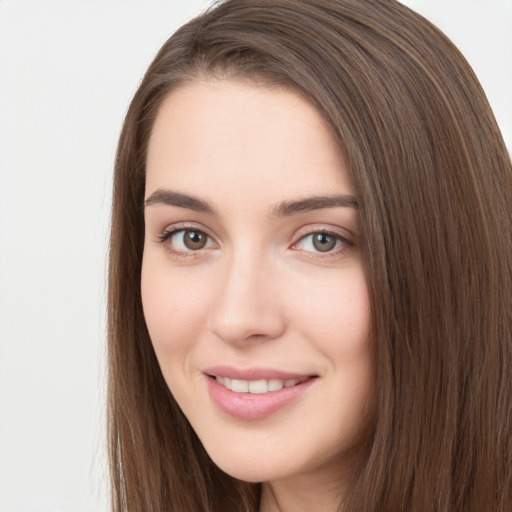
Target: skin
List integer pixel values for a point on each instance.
(259, 294)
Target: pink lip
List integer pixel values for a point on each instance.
(247, 406)
(253, 373)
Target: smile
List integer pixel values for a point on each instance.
(258, 387)
(260, 394)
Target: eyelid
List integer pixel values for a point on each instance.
(166, 234)
(184, 226)
(342, 233)
(346, 241)
(337, 232)
(325, 228)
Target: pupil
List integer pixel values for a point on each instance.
(194, 240)
(324, 242)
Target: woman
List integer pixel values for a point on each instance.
(310, 273)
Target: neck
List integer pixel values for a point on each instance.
(303, 494)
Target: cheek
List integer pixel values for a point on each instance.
(336, 313)
(173, 310)
(336, 321)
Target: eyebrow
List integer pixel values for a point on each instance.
(284, 209)
(287, 208)
(170, 198)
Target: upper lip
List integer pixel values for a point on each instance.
(254, 373)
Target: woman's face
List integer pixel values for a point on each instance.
(252, 282)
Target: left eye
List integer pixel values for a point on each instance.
(319, 242)
(189, 240)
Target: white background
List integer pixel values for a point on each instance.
(68, 70)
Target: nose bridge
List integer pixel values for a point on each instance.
(245, 306)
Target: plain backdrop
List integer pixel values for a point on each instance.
(68, 70)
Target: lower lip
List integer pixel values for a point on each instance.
(248, 406)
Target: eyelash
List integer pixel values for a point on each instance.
(345, 244)
(169, 233)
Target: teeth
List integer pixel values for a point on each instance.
(240, 386)
(257, 387)
(275, 385)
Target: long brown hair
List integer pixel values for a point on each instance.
(434, 186)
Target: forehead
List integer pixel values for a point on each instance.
(250, 138)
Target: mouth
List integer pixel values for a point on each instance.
(260, 386)
(256, 394)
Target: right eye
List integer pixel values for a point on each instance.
(186, 240)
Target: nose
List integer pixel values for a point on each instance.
(247, 307)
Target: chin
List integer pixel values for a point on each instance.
(251, 470)
(247, 475)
